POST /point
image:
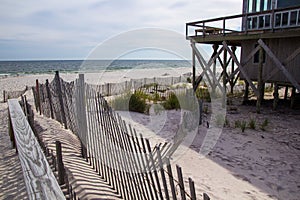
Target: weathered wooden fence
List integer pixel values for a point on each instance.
(12, 94)
(109, 89)
(126, 160)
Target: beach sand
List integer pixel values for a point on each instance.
(254, 164)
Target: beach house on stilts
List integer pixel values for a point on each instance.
(267, 34)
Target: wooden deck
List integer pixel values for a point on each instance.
(207, 32)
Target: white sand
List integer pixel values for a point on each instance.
(252, 165)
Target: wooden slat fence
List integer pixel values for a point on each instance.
(126, 160)
(12, 94)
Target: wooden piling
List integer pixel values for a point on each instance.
(276, 96)
(293, 97)
(286, 92)
(260, 81)
(246, 93)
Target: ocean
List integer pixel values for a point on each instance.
(14, 68)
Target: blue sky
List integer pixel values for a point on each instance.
(60, 29)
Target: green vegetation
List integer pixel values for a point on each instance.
(237, 124)
(133, 102)
(203, 93)
(171, 102)
(264, 125)
(243, 126)
(240, 124)
(252, 124)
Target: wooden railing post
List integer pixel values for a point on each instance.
(60, 164)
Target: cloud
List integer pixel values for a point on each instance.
(82, 24)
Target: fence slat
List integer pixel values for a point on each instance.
(181, 183)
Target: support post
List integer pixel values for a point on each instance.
(260, 80)
(60, 164)
(224, 77)
(214, 84)
(286, 91)
(194, 69)
(232, 83)
(276, 96)
(293, 97)
(246, 93)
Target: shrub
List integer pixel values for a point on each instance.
(189, 80)
(137, 104)
(171, 102)
(132, 102)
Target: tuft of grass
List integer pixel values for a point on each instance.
(237, 124)
(264, 125)
(243, 126)
(252, 124)
(240, 124)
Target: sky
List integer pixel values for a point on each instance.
(60, 29)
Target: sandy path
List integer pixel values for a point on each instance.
(255, 164)
(12, 184)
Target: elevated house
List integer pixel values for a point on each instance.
(268, 35)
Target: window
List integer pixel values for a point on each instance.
(285, 19)
(267, 21)
(261, 22)
(293, 20)
(278, 19)
(250, 6)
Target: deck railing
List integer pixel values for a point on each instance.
(265, 20)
